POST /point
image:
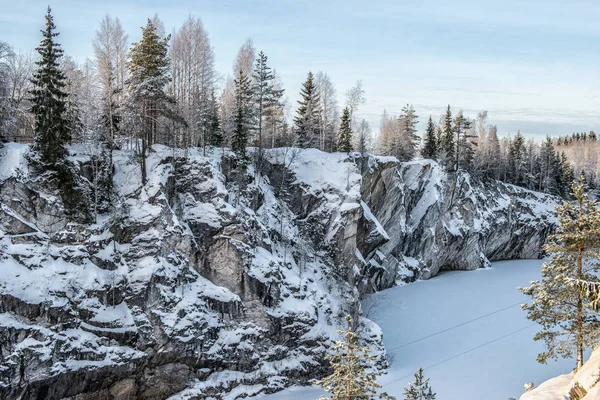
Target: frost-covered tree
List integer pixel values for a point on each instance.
(193, 80)
(345, 136)
(110, 44)
(569, 324)
(429, 149)
(329, 112)
(419, 389)
(351, 379)
(363, 137)
(307, 120)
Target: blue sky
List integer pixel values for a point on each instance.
(534, 65)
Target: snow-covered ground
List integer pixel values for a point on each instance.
(465, 328)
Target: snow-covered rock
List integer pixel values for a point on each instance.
(207, 280)
(448, 221)
(588, 377)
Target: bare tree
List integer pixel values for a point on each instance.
(330, 114)
(193, 72)
(355, 97)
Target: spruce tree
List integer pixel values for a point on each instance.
(430, 143)
(264, 92)
(410, 140)
(215, 135)
(350, 379)
(345, 136)
(308, 114)
(49, 100)
(243, 118)
(446, 145)
(569, 324)
(419, 389)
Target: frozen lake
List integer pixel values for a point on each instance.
(465, 329)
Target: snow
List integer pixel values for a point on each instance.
(12, 160)
(465, 329)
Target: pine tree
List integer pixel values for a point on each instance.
(569, 325)
(430, 143)
(447, 145)
(49, 100)
(308, 114)
(420, 389)
(243, 118)
(147, 101)
(345, 136)
(350, 379)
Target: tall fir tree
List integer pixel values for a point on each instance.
(243, 117)
(447, 144)
(49, 100)
(345, 135)
(408, 130)
(419, 389)
(307, 120)
(569, 323)
(430, 142)
(351, 380)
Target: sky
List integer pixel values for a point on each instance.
(533, 65)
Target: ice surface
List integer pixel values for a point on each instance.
(489, 358)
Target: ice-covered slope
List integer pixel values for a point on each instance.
(206, 280)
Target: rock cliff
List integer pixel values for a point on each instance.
(208, 281)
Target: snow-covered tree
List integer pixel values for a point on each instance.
(345, 136)
(307, 120)
(569, 324)
(363, 137)
(329, 111)
(419, 389)
(110, 45)
(193, 80)
(351, 379)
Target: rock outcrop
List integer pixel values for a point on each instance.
(209, 280)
